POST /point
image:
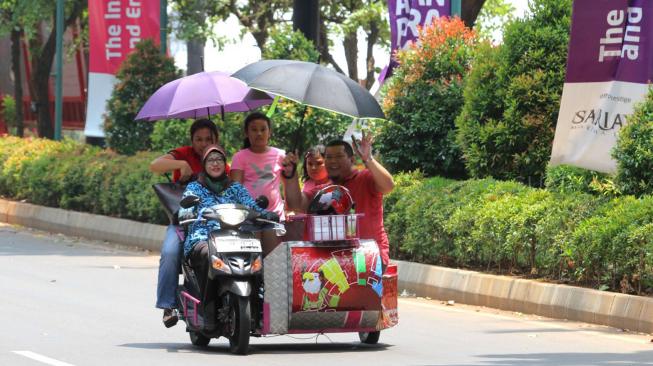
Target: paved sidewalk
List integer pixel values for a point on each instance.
(634, 313)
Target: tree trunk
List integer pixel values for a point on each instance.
(470, 10)
(372, 38)
(42, 56)
(351, 55)
(18, 81)
(323, 48)
(195, 56)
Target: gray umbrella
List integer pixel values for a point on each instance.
(311, 84)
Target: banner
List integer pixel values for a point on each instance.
(609, 66)
(115, 27)
(405, 18)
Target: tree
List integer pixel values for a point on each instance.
(494, 16)
(512, 96)
(139, 76)
(38, 18)
(423, 100)
(470, 10)
(258, 17)
(194, 23)
(9, 23)
(348, 18)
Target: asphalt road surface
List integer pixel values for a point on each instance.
(67, 301)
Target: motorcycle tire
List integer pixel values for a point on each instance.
(239, 340)
(369, 338)
(198, 339)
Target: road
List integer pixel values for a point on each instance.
(67, 301)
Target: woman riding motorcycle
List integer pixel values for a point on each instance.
(213, 186)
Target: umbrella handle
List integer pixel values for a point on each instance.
(273, 107)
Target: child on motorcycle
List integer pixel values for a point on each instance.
(213, 186)
(315, 173)
(258, 167)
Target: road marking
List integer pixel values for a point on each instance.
(41, 358)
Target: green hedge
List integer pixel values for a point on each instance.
(79, 177)
(484, 224)
(508, 227)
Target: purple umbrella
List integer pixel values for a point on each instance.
(201, 95)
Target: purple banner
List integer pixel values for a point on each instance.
(407, 15)
(611, 40)
(405, 18)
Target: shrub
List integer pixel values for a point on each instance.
(141, 74)
(606, 246)
(569, 179)
(423, 101)
(634, 150)
(170, 134)
(506, 130)
(79, 177)
(9, 111)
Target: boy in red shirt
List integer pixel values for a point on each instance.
(367, 186)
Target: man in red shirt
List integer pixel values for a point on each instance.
(367, 186)
(184, 162)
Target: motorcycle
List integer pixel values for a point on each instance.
(322, 278)
(230, 304)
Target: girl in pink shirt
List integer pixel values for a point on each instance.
(258, 166)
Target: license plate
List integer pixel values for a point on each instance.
(237, 245)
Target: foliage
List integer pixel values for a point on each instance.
(423, 101)
(170, 134)
(79, 177)
(608, 246)
(512, 98)
(284, 43)
(9, 111)
(141, 74)
(634, 150)
(194, 19)
(569, 179)
(493, 17)
(347, 20)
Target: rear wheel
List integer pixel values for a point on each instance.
(241, 319)
(198, 339)
(369, 338)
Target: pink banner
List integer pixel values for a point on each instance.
(116, 26)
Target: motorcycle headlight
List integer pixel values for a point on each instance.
(232, 216)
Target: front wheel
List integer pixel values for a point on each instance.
(240, 319)
(198, 339)
(369, 338)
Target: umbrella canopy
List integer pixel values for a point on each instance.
(311, 84)
(201, 95)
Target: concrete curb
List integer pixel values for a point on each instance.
(532, 297)
(81, 224)
(630, 312)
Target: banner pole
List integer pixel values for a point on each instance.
(59, 72)
(164, 27)
(456, 8)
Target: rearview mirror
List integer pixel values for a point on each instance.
(189, 201)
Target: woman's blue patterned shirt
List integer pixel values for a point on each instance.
(199, 231)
